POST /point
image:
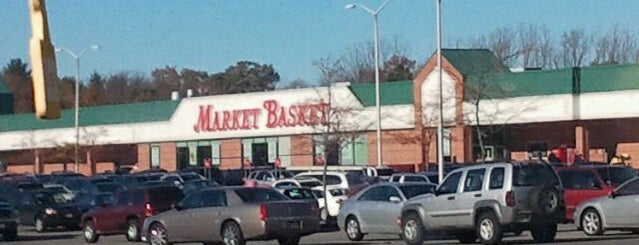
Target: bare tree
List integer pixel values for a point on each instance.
(546, 49)
(574, 48)
(501, 43)
(614, 47)
(529, 45)
(359, 60)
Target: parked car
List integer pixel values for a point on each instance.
(127, 214)
(234, 215)
(298, 193)
(8, 221)
(616, 211)
(432, 176)
(268, 176)
(484, 201)
(194, 185)
(408, 177)
(108, 187)
(334, 197)
(46, 209)
(376, 208)
(178, 179)
(66, 192)
(352, 182)
(581, 184)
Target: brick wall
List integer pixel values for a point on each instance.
(231, 153)
(301, 150)
(144, 156)
(168, 156)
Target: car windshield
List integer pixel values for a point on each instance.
(411, 191)
(299, 194)
(48, 198)
(616, 176)
(310, 184)
(253, 195)
(283, 174)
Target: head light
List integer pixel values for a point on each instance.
(50, 211)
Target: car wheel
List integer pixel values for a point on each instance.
(88, 232)
(289, 240)
(232, 234)
(544, 232)
(133, 230)
(591, 223)
(10, 232)
(467, 237)
(544, 200)
(39, 225)
(412, 229)
(353, 231)
(158, 235)
(488, 228)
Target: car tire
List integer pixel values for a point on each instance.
(489, 229)
(353, 230)
(544, 232)
(10, 232)
(591, 223)
(133, 230)
(157, 235)
(89, 233)
(232, 234)
(412, 229)
(293, 240)
(39, 225)
(544, 200)
(467, 237)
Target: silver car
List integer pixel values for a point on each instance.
(376, 208)
(617, 211)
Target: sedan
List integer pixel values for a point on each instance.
(376, 208)
(617, 211)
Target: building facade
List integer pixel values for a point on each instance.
(514, 115)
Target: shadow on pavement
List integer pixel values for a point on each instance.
(577, 240)
(43, 237)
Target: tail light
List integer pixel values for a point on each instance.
(263, 213)
(510, 199)
(148, 210)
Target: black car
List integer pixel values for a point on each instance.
(46, 209)
(8, 221)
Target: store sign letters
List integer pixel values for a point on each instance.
(211, 120)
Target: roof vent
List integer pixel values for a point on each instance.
(175, 95)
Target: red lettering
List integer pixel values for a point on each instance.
(271, 107)
(203, 122)
(324, 109)
(225, 124)
(256, 116)
(245, 119)
(216, 122)
(292, 114)
(282, 119)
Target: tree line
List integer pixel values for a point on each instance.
(524, 46)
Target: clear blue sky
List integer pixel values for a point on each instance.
(210, 35)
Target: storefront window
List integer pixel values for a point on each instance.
(344, 151)
(155, 156)
(260, 151)
(193, 154)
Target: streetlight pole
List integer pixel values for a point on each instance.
(440, 122)
(77, 97)
(377, 92)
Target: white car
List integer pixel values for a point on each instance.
(308, 182)
(408, 177)
(334, 179)
(67, 193)
(334, 197)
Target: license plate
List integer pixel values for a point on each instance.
(68, 215)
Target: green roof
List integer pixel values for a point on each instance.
(552, 82)
(390, 93)
(4, 89)
(474, 61)
(90, 116)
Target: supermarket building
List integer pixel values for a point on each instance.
(591, 110)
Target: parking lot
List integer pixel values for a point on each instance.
(566, 235)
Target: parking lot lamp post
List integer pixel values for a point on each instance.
(377, 99)
(77, 96)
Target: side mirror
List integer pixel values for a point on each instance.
(612, 194)
(177, 206)
(395, 199)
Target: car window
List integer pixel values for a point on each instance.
(450, 184)
(318, 193)
(567, 179)
(411, 191)
(394, 178)
(337, 192)
(474, 180)
(253, 195)
(371, 194)
(124, 198)
(165, 194)
(192, 201)
(585, 180)
(137, 197)
(531, 175)
(616, 176)
(214, 198)
(496, 178)
(631, 188)
(330, 179)
(285, 184)
(299, 193)
(387, 193)
(310, 184)
(354, 179)
(410, 178)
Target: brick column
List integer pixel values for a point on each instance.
(461, 143)
(582, 143)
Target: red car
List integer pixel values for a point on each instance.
(586, 182)
(129, 211)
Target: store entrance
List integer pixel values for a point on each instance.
(259, 154)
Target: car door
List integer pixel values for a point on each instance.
(115, 216)
(180, 224)
(367, 207)
(472, 187)
(572, 197)
(441, 209)
(621, 211)
(387, 211)
(210, 215)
